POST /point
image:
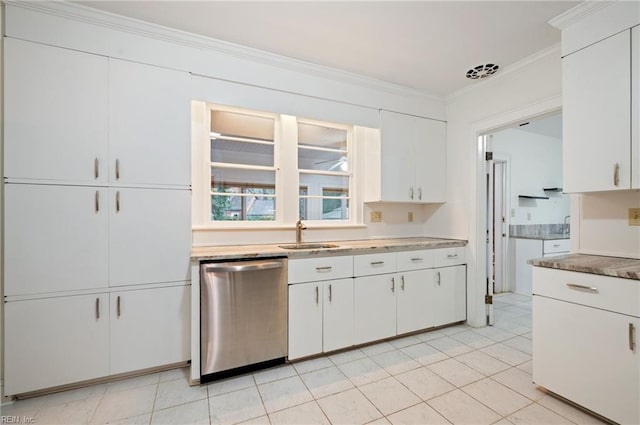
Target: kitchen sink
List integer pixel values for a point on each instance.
(309, 246)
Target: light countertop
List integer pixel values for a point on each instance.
(365, 246)
(627, 268)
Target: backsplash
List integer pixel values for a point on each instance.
(538, 230)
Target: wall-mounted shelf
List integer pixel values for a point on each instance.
(552, 189)
(532, 197)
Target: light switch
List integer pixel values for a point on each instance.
(410, 216)
(634, 216)
(375, 216)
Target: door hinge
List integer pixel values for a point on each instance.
(488, 299)
(488, 156)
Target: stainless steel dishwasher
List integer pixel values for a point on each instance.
(243, 316)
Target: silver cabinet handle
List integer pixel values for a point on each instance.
(97, 308)
(96, 168)
(117, 169)
(438, 281)
(324, 269)
(616, 174)
(417, 259)
(393, 284)
(118, 306)
(632, 337)
(377, 263)
(97, 201)
(452, 255)
(317, 295)
(118, 201)
(582, 288)
(419, 193)
(330, 293)
(411, 192)
(402, 282)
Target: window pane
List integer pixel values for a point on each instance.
(318, 182)
(302, 207)
(322, 148)
(242, 125)
(335, 209)
(237, 152)
(249, 207)
(237, 177)
(319, 136)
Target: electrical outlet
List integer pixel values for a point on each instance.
(375, 216)
(634, 216)
(410, 216)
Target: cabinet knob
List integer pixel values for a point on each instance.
(411, 192)
(393, 284)
(632, 337)
(96, 168)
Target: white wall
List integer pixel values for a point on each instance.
(535, 163)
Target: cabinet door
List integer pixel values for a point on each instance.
(526, 249)
(635, 107)
(449, 295)
(149, 328)
(430, 158)
(55, 238)
(414, 301)
(337, 314)
(55, 341)
(55, 113)
(597, 117)
(398, 171)
(374, 307)
(583, 354)
(149, 236)
(305, 319)
(149, 124)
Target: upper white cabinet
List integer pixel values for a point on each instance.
(149, 124)
(597, 116)
(409, 165)
(55, 113)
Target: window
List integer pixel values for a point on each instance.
(268, 169)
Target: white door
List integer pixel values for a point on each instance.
(337, 314)
(430, 158)
(305, 319)
(499, 227)
(55, 113)
(414, 301)
(149, 328)
(576, 348)
(397, 162)
(149, 236)
(56, 238)
(596, 96)
(149, 124)
(483, 142)
(450, 295)
(55, 341)
(375, 307)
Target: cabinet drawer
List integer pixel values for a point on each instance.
(415, 260)
(322, 268)
(449, 256)
(558, 245)
(369, 264)
(605, 292)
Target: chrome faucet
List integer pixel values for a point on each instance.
(299, 228)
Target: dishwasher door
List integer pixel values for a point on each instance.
(243, 316)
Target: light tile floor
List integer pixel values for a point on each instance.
(458, 375)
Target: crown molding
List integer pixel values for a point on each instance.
(578, 13)
(138, 27)
(554, 49)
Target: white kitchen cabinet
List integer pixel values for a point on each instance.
(449, 295)
(305, 319)
(585, 333)
(528, 249)
(55, 113)
(149, 236)
(55, 341)
(414, 301)
(56, 238)
(409, 164)
(337, 314)
(597, 116)
(374, 307)
(149, 124)
(148, 328)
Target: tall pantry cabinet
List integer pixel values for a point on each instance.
(97, 216)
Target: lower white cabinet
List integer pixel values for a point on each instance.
(320, 317)
(374, 307)
(148, 327)
(55, 341)
(448, 301)
(414, 301)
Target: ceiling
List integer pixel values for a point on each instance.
(425, 45)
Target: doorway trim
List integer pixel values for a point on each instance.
(506, 198)
(479, 197)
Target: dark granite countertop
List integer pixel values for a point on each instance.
(627, 268)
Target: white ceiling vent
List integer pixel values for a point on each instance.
(482, 71)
